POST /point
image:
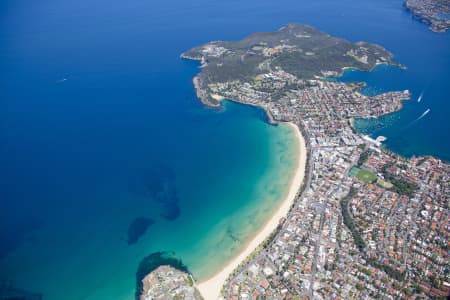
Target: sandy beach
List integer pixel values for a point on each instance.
(217, 97)
(210, 288)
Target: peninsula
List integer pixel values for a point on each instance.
(167, 282)
(436, 13)
(365, 223)
(297, 52)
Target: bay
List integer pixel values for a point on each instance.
(98, 112)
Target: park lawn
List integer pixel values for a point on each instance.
(366, 176)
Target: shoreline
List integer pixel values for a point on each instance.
(211, 288)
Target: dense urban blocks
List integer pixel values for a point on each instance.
(436, 13)
(369, 224)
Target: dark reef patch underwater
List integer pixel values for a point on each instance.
(158, 184)
(9, 292)
(138, 228)
(12, 236)
(152, 262)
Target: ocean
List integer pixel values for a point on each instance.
(107, 156)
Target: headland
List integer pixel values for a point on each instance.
(436, 13)
(301, 51)
(166, 278)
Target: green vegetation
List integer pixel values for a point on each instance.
(402, 187)
(363, 175)
(272, 236)
(348, 221)
(399, 185)
(297, 49)
(407, 291)
(190, 281)
(366, 176)
(363, 158)
(391, 272)
(365, 271)
(384, 184)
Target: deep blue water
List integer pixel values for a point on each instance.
(96, 106)
(422, 126)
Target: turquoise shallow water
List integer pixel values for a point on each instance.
(225, 192)
(99, 125)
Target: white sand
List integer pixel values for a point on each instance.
(217, 97)
(210, 288)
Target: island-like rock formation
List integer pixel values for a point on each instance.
(436, 13)
(169, 283)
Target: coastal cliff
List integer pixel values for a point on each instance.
(167, 282)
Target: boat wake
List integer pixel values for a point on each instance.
(426, 112)
(418, 119)
(423, 115)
